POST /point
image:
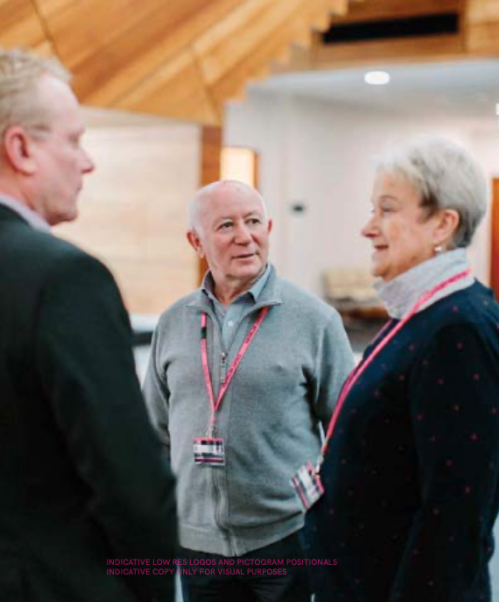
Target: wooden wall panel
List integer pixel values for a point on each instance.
(133, 210)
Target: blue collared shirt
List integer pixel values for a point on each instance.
(229, 318)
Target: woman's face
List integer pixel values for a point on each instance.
(400, 234)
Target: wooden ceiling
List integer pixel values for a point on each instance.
(477, 36)
(176, 58)
(185, 58)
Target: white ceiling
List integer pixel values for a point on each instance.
(460, 89)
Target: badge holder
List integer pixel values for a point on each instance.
(307, 483)
(209, 451)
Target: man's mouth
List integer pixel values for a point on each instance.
(245, 256)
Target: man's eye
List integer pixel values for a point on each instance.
(225, 225)
(254, 220)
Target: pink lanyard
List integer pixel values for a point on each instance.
(357, 372)
(235, 364)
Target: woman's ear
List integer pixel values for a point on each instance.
(446, 227)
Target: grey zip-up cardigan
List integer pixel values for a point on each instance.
(270, 419)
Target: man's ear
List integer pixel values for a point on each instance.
(447, 224)
(270, 223)
(18, 150)
(195, 242)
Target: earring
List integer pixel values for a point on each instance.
(438, 249)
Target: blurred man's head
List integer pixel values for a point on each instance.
(230, 228)
(41, 160)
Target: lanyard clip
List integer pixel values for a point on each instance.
(319, 463)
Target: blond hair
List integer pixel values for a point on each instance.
(20, 72)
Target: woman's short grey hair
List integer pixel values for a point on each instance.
(20, 72)
(446, 176)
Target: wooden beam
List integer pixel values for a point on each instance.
(375, 10)
(482, 27)
(478, 38)
(176, 90)
(258, 33)
(211, 151)
(178, 59)
(20, 27)
(342, 56)
(153, 56)
(482, 11)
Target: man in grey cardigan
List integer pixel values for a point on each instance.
(243, 374)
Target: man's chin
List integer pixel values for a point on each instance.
(250, 272)
(61, 218)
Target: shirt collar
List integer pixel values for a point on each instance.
(403, 292)
(208, 285)
(33, 218)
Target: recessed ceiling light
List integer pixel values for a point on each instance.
(377, 78)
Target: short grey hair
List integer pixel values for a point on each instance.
(445, 176)
(20, 72)
(213, 188)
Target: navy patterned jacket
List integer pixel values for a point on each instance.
(412, 471)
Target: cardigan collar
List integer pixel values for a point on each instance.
(269, 295)
(402, 293)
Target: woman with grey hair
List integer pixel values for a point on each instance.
(411, 463)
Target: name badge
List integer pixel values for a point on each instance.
(307, 483)
(209, 451)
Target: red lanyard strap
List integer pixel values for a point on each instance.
(235, 364)
(357, 372)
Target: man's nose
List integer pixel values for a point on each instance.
(88, 165)
(243, 235)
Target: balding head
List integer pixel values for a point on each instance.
(230, 228)
(199, 204)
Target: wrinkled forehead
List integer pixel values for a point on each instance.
(395, 190)
(230, 201)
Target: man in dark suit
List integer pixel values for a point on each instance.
(82, 478)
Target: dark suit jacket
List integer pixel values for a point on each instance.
(82, 476)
